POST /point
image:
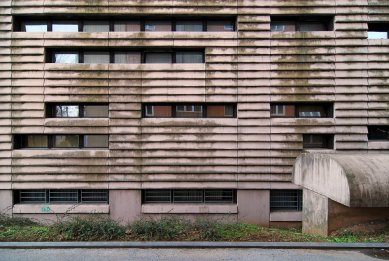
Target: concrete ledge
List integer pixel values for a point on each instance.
(189, 209)
(60, 209)
(286, 216)
(267, 245)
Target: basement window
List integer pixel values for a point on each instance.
(378, 133)
(199, 196)
(61, 196)
(301, 23)
(318, 141)
(378, 31)
(286, 200)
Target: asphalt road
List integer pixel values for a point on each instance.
(189, 254)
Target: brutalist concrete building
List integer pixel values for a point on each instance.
(149, 108)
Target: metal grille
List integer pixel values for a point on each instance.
(32, 196)
(63, 196)
(94, 196)
(157, 196)
(286, 200)
(188, 196)
(219, 196)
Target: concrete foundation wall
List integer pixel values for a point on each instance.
(254, 206)
(125, 205)
(340, 216)
(6, 202)
(315, 213)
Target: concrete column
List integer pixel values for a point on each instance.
(125, 205)
(254, 206)
(315, 213)
(6, 202)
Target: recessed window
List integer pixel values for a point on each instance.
(189, 196)
(378, 133)
(189, 26)
(34, 26)
(96, 26)
(286, 200)
(158, 57)
(66, 141)
(301, 23)
(61, 196)
(65, 57)
(65, 26)
(318, 141)
(63, 141)
(301, 110)
(220, 26)
(378, 31)
(36, 141)
(189, 111)
(158, 26)
(127, 26)
(96, 57)
(125, 56)
(77, 110)
(128, 57)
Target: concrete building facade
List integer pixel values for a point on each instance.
(146, 108)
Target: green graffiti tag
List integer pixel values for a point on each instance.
(46, 209)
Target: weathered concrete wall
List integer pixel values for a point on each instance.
(340, 216)
(6, 202)
(254, 206)
(125, 205)
(315, 213)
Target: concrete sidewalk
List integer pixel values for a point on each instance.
(172, 244)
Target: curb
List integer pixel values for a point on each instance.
(261, 245)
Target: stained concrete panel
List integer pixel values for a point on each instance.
(125, 205)
(254, 206)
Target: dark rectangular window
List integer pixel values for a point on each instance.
(207, 196)
(189, 111)
(96, 26)
(77, 110)
(101, 56)
(286, 200)
(158, 26)
(378, 31)
(301, 23)
(65, 26)
(64, 141)
(318, 141)
(301, 110)
(189, 26)
(60, 196)
(378, 132)
(34, 26)
(123, 24)
(220, 26)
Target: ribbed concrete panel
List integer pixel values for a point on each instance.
(251, 67)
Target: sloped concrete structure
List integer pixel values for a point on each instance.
(342, 189)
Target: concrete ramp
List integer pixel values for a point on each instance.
(354, 180)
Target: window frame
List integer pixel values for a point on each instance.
(17, 196)
(328, 143)
(19, 141)
(327, 20)
(382, 27)
(376, 127)
(328, 108)
(204, 109)
(204, 200)
(50, 109)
